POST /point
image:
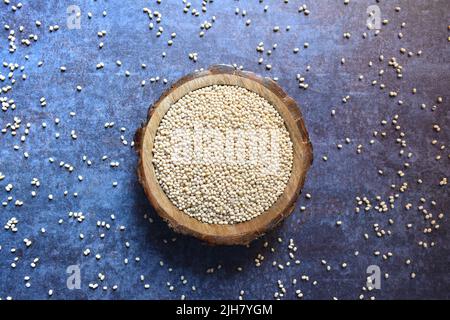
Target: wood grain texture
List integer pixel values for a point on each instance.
(241, 233)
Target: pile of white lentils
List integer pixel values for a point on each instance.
(217, 187)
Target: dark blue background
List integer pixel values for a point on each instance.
(109, 96)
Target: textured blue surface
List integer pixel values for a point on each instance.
(109, 96)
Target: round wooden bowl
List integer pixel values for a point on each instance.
(244, 232)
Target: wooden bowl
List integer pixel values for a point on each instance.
(244, 232)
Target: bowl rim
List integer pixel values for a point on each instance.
(243, 232)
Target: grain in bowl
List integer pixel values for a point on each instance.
(222, 154)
